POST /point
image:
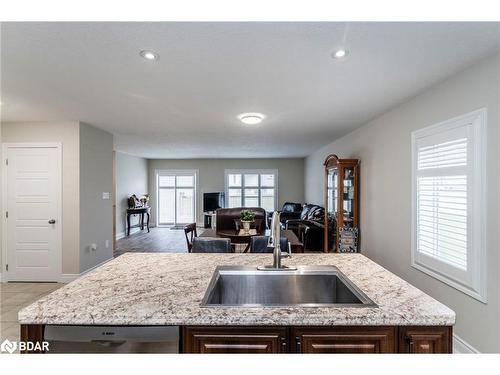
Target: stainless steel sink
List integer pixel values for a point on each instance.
(307, 286)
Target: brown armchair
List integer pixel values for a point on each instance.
(226, 218)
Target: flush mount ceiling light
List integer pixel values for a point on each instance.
(251, 118)
(340, 53)
(149, 55)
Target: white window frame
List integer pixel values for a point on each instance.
(176, 172)
(471, 281)
(227, 172)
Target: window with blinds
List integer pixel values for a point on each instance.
(447, 210)
(252, 188)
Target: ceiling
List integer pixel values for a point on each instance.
(185, 105)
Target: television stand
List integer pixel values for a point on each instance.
(209, 219)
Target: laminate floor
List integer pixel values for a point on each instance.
(158, 240)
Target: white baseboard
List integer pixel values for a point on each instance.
(63, 278)
(132, 231)
(69, 277)
(96, 266)
(460, 346)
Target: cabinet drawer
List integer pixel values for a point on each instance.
(425, 340)
(344, 340)
(235, 340)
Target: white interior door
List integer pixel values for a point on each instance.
(33, 212)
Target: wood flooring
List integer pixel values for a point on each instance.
(159, 240)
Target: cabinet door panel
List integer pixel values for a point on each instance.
(234, 340)
(345, 340)
(425, 340)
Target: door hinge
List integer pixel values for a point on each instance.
(6, 214)
(6, 267)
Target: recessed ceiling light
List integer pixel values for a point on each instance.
(251, 118)
(340, 53)
(149, 55)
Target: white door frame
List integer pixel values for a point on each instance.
(159, 171)
(5, 148)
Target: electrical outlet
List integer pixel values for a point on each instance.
(105, 195)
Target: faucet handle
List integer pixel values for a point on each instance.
(270, 242)
(289, 253)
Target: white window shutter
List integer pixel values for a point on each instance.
(448, 211)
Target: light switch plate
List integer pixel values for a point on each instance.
(105, 195)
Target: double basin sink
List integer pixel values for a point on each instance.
(306, 286)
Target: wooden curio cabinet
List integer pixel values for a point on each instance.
(341, 198)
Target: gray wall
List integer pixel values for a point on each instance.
(131, 178)
(96, 214)
(383, 146)
(211, 176)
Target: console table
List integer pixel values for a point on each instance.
(209, 220)
(138, 211)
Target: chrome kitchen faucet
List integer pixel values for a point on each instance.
(274, 242)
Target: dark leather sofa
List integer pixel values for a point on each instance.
(310, 227)
(290, 210)
(227, 218)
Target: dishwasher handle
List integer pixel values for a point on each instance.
(109, 343)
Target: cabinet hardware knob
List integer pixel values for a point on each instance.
(283, 345)
(411, 346)
(298, 343)
(52, 221)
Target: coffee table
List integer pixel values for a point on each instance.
(239, 237)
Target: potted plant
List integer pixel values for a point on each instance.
(247, 218)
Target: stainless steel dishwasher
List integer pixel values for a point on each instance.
(112, 339)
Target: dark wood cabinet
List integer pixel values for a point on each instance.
(425, 340)
(344, 340)
(256, 340)
(33, 333)
(334, 339)
(270, 339)
(341, 202)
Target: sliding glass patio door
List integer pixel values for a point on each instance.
(176, 197)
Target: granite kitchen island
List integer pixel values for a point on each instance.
(148, 289)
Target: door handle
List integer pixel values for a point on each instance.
(52, 221)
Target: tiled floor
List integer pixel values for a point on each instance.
(15, 296)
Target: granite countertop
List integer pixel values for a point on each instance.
(166, 289)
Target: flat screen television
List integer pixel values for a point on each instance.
(213, 201)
